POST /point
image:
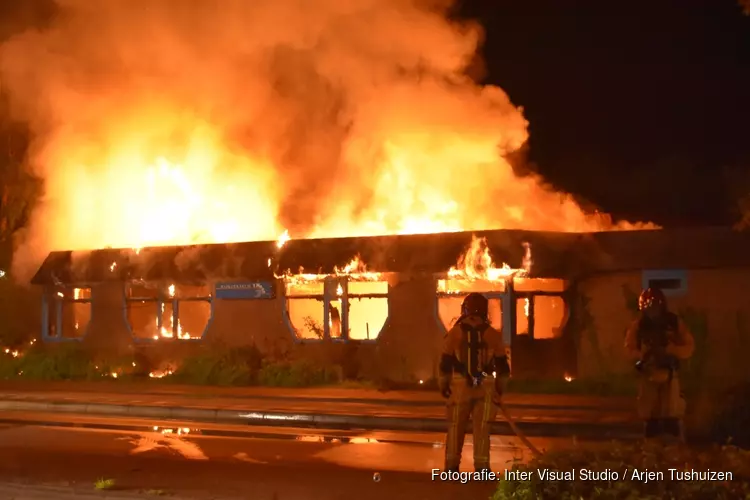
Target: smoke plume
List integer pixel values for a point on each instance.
(162, 122)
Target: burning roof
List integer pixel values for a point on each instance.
(563, 255)
(223, 125)
(413, 254)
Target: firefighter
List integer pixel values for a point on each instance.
(472, 351)
(658, 341)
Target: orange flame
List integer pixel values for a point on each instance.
(355, 270)
(477, 264)
(283, 239)
(168, 331)
(210, 127)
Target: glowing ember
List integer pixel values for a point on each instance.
(477, 264)
(160, 374)
(12, 352)
(208, 127)
(2, 273)
(112, 267)
(568, 378)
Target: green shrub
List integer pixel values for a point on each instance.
(65, 361)
(56, 362)
(732, 420)
(297, 374)
(639, 456)
(8, 367)
(225, 367)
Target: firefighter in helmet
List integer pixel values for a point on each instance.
(472, 351)
(658, 341)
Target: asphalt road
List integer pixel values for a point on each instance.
(170, 458)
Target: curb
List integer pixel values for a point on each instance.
(15, 396)
(586, 430)
(40, 492)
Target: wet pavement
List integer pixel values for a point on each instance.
(339, 395)
(213, 461)
(357, 402)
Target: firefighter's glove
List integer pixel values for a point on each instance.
(445, 387)
(446, 392)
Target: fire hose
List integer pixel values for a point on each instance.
(519, 434)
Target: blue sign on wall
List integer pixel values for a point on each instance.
(246, 290)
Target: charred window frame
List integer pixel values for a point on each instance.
(526, 305)
(673, 282)
(513, 298)
(57, 305)
(334, 296)
(165, 301)
(526, 296)
(495, 291)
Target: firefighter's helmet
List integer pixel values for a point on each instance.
(652, 298)
(475, 304)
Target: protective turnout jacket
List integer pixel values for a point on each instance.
(652, 341)
(473, 348)
(659, 346)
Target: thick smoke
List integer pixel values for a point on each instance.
(163, 122)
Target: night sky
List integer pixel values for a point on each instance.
(641, 107)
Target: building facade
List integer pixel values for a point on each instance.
(384, 303)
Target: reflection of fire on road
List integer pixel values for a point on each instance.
(337, 440)
(168, 439)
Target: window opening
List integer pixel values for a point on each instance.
(68, 313)
(356, 310)
(550, 316)
(155, 311)
(452, 292)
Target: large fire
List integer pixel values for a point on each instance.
(355, 270)
(477, 264)
(182, 123)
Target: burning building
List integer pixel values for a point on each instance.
(562, 307)
(154, 128)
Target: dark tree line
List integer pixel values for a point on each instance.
(19, 190)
